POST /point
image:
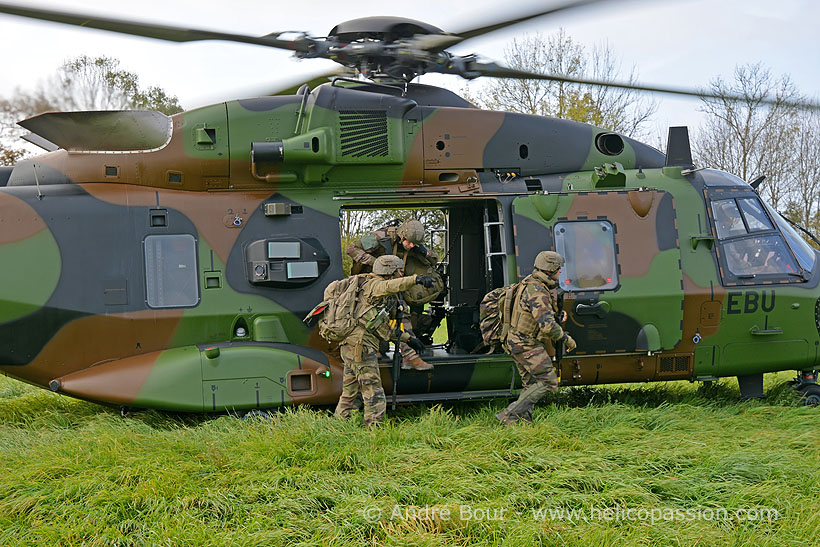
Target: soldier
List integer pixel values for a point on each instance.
(406, 243)
(533, 331)
(388, 240)
(361, 371)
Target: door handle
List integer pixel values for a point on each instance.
(599, 309)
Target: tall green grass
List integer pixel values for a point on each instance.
(74, 473)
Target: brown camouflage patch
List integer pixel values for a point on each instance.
(18, 221)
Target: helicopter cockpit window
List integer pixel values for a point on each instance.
(762, 255)
(727, 219)
(589, 250)
(803, 251)
(755, 217)
(170, 271)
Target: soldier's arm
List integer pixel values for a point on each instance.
(360, 250)
(425, 254)
(385, 287)
(540, 307)
(431, 257)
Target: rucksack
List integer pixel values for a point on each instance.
(495, 313)
(341, 309)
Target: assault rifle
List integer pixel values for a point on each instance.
(396, 351)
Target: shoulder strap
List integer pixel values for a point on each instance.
(511, 307)
(516, 306)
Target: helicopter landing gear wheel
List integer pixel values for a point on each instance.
(811, 394)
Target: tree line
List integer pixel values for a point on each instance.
(82, 83)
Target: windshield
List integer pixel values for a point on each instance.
(753, 256)
(803, 251)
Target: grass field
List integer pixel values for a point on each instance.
(664, 464)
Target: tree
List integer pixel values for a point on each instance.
(84, 83)
(747, 137)
(620, 110)
(9, 156)
(98, 83)
(803, 206)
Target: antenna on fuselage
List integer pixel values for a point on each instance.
(678, 151)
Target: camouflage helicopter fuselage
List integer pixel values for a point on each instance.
(167, 262)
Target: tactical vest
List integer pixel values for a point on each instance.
(522, 321)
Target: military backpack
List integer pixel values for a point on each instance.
(495, 313)
(341, 309)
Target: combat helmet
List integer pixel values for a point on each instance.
(411, 230)
(387, 265)
(549, 261)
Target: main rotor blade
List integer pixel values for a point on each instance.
(458, 37)
(494, 70)
(150, 30)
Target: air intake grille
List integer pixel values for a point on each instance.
(363, 133)
(674, 364)
(817, 315)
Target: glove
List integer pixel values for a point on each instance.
(424, 280)
(415, 344)
(384, 347)
(420, 249)
(569, 342)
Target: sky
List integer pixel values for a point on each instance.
(669, 42)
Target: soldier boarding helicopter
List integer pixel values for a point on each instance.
(167, 262)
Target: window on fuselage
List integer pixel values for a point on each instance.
(589, 250)
(170, 271)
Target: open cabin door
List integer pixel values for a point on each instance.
(623, 280)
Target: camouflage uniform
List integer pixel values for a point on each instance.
(361, 370)
(530, 342)
(385, 241)
(366, 250)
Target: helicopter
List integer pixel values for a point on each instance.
(167, 262)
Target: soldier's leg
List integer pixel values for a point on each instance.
(526, 377)
(410, 359)
(538, 364)
(415, 313)
(375, 403)
(349, 399)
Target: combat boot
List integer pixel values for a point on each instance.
(506, 419)
(412, 361)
